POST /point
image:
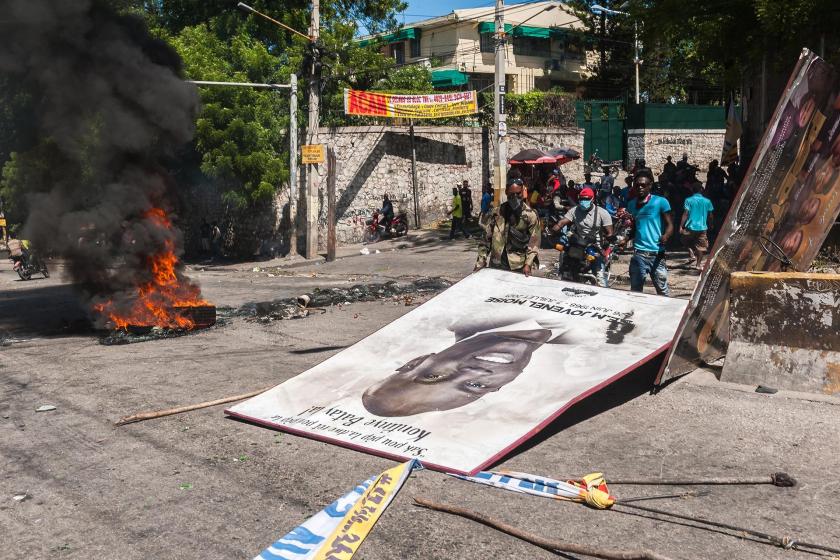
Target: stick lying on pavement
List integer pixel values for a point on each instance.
(139, 417)
(783, 542)
(776, 479)
(548, 544)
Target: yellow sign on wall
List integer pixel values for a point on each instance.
(312, 153)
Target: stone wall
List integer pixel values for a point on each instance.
(374, 160)
(654, 145)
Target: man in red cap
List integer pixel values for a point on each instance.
(591, 224)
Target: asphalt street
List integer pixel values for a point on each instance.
(202, 485)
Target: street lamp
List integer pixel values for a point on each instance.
(597, 9)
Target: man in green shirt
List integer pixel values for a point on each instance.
(457, 214)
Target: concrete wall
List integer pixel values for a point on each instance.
(654, 145)
(784, 331)
(376, 159)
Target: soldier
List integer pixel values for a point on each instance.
(512, 234)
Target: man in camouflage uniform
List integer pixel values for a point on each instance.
(512, 234)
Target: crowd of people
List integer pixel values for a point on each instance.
(675, 199)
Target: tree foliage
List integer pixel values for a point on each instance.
(702, 51)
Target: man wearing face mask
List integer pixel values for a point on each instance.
(591, 224)
(512, 234)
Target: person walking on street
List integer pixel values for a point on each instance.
(650, 212)
(457, 213)
(695, 223)
(486, 199)
(511, 234)
(216, 240)
(466, 201)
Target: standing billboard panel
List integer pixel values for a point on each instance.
(781, 216)
(472, 373)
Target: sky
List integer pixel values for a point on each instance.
(425, 9)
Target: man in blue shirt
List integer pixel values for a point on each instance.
(695, 222)
(648, 259)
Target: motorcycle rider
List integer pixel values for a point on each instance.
(387, 213)
(591, 224)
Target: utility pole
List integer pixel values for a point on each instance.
(500, 88)
(636, 60)
(311, 194)
(293, 175)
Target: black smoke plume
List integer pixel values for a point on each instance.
(110, 99)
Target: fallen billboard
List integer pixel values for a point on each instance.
(472, 373)
(783, 212)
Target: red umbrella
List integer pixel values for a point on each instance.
(531, 156)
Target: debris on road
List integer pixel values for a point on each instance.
(45, 408)
(300, 306)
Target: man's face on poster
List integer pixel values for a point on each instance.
(457, 376)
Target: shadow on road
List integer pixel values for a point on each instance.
(43, 311)
(627, 388)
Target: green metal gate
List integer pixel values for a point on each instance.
(603, 123)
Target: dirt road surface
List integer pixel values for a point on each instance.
(200, 485)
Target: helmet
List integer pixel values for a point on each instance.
(587, 193)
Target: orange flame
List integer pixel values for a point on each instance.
(156, 301)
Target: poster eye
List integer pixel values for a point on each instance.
(475, 385)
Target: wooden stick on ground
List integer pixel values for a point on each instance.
(548, 544)
(139, 417)
(776, 479)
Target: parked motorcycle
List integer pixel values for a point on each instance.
(26, 267)
(375, 229)
(595, 164)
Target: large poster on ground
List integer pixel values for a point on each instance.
(470, 374)
(785, 208)
(419, 106)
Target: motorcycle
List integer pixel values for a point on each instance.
(374, 229)
(577, 262)
(595, 164)
(26, 267)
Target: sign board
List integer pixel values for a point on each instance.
(502, 88)
(466, 377)
(787, 203)
(502, 128)
(420, 106)
(312, 153)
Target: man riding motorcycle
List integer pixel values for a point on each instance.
(591, 225)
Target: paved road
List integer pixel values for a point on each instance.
(201, 485)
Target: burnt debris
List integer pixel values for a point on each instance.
(300, 307)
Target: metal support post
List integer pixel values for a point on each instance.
(414, 174)
(331, 173)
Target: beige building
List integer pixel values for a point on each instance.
(547, 47)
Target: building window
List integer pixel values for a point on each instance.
(529, 46)
(414, 46)
(398, 52)
(487, 42)
(479, 82)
